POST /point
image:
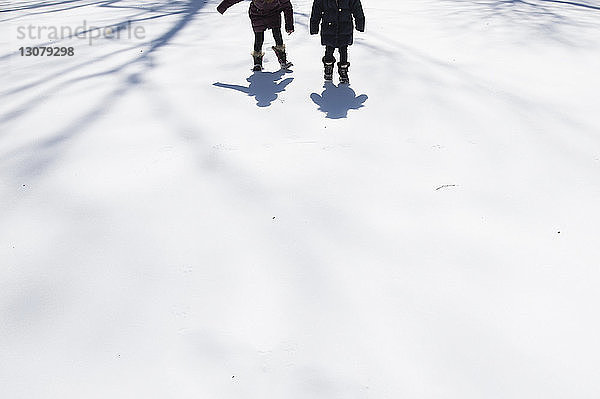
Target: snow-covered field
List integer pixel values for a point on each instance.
(173, 226)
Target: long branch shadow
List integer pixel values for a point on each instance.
(43, 4)
(336, 101)
(72, 5)
(264, 86)
(573, 3)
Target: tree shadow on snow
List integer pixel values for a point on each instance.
(548, 17)
(143, 56)
(336, 101)
(264, 86)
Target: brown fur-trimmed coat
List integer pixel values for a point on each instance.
(265, 14)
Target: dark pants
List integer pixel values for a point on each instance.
(259, 39)
(329, 54)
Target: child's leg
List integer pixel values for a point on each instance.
(329, 54)
(328, 62)
(344, 55)
(343, 65)
(277, 36)
(257, 54)
(259, 39)
(279, 49)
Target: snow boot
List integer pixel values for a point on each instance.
(328, 64)
(258, 58)
(343, 71)
(282, 56)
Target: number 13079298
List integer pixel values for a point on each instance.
(47, 51)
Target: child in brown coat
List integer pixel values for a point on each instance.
(266, 14)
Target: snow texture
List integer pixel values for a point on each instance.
(173, 225)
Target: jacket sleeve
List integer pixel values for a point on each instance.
(315, 16)
(359, 15)
(288, 15)
(225, 4)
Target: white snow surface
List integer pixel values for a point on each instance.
(431, 231)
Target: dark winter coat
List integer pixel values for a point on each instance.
(337, 18)
(265, 14)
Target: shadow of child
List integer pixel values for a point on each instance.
(336, 101)
(264, 86)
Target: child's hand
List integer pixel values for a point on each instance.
(289, 32)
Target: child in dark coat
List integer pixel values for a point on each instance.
(266, 14)
(337, 19)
